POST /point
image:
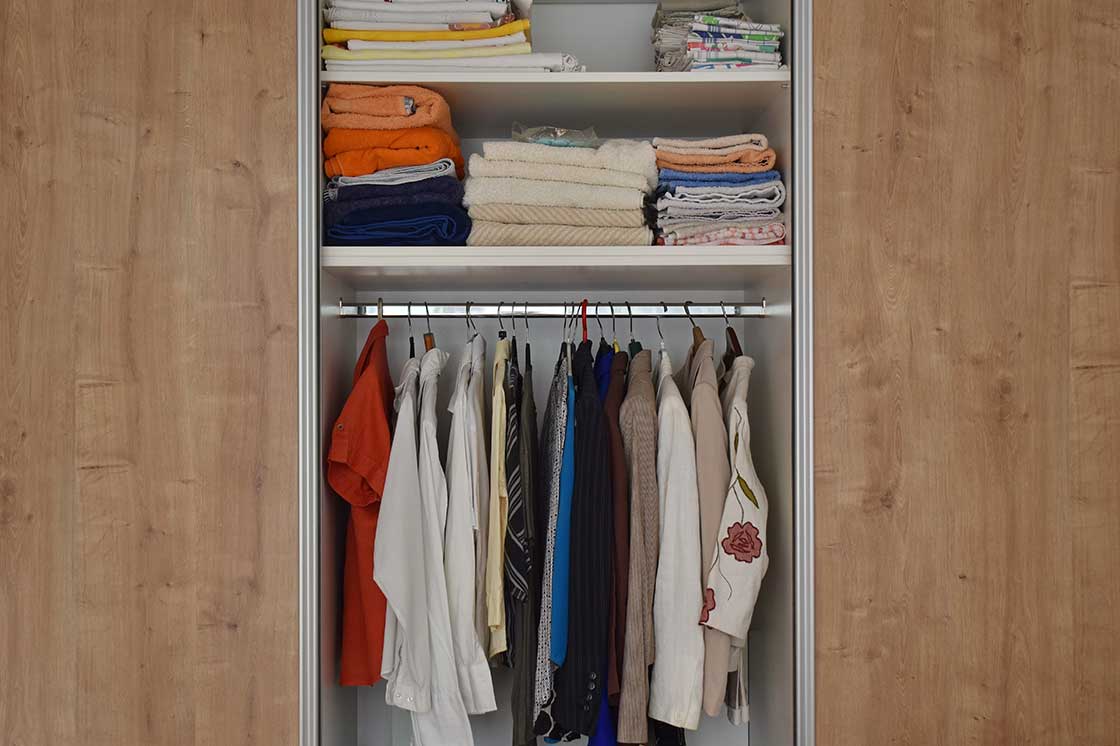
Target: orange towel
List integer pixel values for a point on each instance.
(367, 107)
(746, 161)
(358, 152)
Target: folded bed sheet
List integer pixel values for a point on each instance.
(421, 225)
(490, 189)
(632, 156)
(482, 166)
(486, 233)
(356, 152)
(337, 35)
(544, 215)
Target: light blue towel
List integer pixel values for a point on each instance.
(562, 558)
(671, 178)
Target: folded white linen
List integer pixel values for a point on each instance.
(392, 176)
(482, 166)
(385, 26)
(772, 193)
(754, 141)
(499, 41)
(686, 230)
(633, 156)
(409, 16)
(495, 9)
(489, 189)
(402, 66)
(547, 61)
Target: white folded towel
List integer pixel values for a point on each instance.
(755, 141)
(498, 41)
(408, 16)
(386, 26)
(490, 189)
(481, 166)
(633, 156)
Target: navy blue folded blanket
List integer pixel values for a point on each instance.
(430, 224)
(445, 189)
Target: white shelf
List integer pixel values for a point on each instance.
(587, 267)
(617, 104)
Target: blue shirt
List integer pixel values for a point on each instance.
(562, 556)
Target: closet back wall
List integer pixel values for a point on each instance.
(148, 542)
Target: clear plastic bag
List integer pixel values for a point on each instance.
(557, 136)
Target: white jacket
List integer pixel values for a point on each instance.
(742, 552)
(466, 471)
(675, 688)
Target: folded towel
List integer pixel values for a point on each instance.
(391, 107)
(702, 213)
(482, 166)
(718, 168)
(331, 52)
(357, 45)
(737, 22)
(494, 9)
(731, 152)
(536, 61)
(446, 190)
(634, 156)
(772, 193)
(390, 176)
(752, 140)
(486, 233)
(671, 178)
(357, 152)
(411, 16)
(385, 26)
(489, 189)
(335, 35)
(430, 224)
(538, 215)
(754, 160)
(738, 235)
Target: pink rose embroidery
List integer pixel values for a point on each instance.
(709, 604)
(742, 542)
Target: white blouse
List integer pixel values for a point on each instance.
(499, 506)
(678, 668)
(466, 473)
(741, 554)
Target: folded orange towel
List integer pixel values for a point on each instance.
(367, 107)
(359, 152)
(746, 161)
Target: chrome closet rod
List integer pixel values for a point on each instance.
(557, 310)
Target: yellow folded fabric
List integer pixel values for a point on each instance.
(337, 35)
(337, 53)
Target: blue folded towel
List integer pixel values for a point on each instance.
(691, 178)
(445, 189)
(431, 224)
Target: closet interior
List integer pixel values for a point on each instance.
(621, 95)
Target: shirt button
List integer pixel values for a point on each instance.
(591, 685)
(594, 675)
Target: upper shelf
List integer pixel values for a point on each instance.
(617, 104)
(588, 267)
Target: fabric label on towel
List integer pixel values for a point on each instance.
(409, 105)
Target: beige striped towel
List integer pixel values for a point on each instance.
(486, 233)
(537, 214)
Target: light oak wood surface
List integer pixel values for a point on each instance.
(148, 543)
(967, 372)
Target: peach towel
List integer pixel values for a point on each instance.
(350, 152)
(744, 161)
(366, 107)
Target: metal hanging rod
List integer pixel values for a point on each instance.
(553, 310)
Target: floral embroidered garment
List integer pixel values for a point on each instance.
(741, 556)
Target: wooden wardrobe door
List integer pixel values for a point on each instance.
(967, 372)
(148, 541)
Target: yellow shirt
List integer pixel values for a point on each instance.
(499, 507)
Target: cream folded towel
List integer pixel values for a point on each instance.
(482, 166)
(537, 214)
(486, 233)
(634, 156)
(489, 189)
(753, 141)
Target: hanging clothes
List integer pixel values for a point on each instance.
(579, 680)
(676, 681)
(602, 367)
(499, 507)
(638, 423)
(620, 539)
(465, 455)
(713, 472)
(517, 561)
(477, 437)
(357, 459)
(743, 555)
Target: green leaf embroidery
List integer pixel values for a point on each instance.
(736, 450)
(746, 489)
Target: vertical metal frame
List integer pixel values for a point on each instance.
(804, 631)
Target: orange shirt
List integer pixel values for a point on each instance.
(356, 465)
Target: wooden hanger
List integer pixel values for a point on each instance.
(697, 332)
(429, 338)
(734, 349)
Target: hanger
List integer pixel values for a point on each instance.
(513, 339)
(411, 339)
(614, 329)
(599, 321)
(635, 345)
(528, 349)
(657, 320)
(734, 349)
(429, 338)
(583, 312)
(380, 309)
(501, 326)
(470, 322)
(568, 338)
(697, 332)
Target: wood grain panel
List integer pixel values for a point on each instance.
(148, 517)
(968, 379)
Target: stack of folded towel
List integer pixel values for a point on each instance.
(718, 42)
(672, 24)
(394, 164)
(722, 190)
(433, 35)
(531, 194)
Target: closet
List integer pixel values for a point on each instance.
(621, 96)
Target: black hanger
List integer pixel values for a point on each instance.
(501, 326)
(411, 339)
(635, 345)
(734, 349)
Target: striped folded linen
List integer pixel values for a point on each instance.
(357, 45)
(540, 214)
(726, 21)
(486, 233)
(391, 177)
(742, 57)
(741, 234)
(482, 166)
(772, 194)
(445, 32)
(701, 66)
(676, 215)
(634, 156)
(696, 42)
(490, 189)
(407, 16)
(335, 53)
(535, 61)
